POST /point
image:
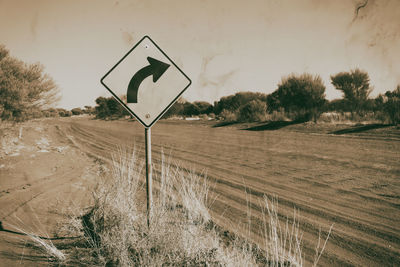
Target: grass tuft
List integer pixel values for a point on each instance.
(114, 232)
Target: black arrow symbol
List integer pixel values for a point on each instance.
(156, 68)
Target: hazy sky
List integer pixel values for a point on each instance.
(224, 46)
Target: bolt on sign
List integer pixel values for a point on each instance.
(146, 82)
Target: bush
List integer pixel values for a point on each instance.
(175, 110)
(277, 115)
(204, 107)
(392, 105)
(302, 97)
(89, 110)
(337, 105)
(76, 111)
(109, 108)
(187, 109)
(228, 116)
(252, 111)
(190, 109)
(63, 112)
(51, 112)
(234, 102)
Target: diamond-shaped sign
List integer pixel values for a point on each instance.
(146, 82)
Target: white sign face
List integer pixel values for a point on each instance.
(146, 82)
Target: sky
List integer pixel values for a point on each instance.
(224, 46)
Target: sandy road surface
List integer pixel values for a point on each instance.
(43, 178)
(351, 181)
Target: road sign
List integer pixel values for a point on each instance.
(146, 98)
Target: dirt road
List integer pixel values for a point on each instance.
(349, 180)
(43, 178)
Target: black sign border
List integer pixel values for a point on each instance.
(123, 104)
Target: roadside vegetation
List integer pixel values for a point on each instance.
(114, 230)
(298, 98)
(24, 89)
(26, 92)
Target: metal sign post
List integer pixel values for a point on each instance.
(147, 132)
(144, 98)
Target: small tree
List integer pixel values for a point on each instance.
(24, 88)
(355, 87)
(302, 96)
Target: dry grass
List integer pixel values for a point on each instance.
(115, 232)
(282, 243)
(36, 238)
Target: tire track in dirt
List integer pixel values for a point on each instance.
(375, 233)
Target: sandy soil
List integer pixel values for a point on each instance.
(349, 178)
(43, 178)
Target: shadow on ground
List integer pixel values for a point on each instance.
(23, 252)
(360, 128)
(41, 237)
(21, 258)
(224, 123)
(19, 250)
(272, 125)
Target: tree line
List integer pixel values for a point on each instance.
(27, 92)
(297, 98)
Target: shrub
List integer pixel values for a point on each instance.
(228, 116)
(392, 105)
(190, 109)
(277, 115)
(109, 108)
(204, 107)
(76, 111)
(302, 97)
(89, 110)
(175, 110)
(51, 112)
(234, 102)
(254, 110)
(62, 112)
